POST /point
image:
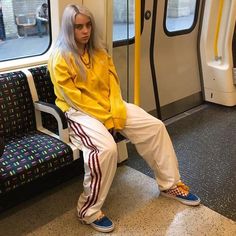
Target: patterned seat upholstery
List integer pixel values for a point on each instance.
(28, 153)
(45, 91)
(2, 145)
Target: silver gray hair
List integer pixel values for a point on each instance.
(66, 43)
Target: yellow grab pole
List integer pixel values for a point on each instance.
(216, 53)
(137, 52)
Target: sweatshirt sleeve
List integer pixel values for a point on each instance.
(118, 109)
(62, 79)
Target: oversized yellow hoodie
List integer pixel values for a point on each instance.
(98, 95)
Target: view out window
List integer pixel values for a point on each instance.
(24, 28)
(123, 19)
(180, 15)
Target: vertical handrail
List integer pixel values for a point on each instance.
(137, 52)
(127, 53)
(216, 53)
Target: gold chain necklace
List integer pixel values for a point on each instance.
(87, 64)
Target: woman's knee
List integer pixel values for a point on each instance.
(109, 149)
(159, 126)
(160, 123)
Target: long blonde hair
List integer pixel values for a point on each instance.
(66, 43)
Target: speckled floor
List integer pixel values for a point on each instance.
(205, 145)
(204, 141)
(133, 204)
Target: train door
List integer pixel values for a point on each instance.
(170, 78)
(217, 49)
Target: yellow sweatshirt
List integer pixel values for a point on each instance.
(98, 95)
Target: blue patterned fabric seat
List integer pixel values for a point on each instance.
(2, 145)
(29, 153)
(45, 91)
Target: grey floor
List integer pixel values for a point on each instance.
(204, 140)
(134, 203)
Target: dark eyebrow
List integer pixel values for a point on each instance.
(80, 25)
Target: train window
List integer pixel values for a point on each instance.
(180, 16)
(123, 20)
(24, 28)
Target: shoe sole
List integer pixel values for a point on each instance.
(102, 229)
(184, 201)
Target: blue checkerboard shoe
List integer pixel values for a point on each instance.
(181, 193)
(103, 224)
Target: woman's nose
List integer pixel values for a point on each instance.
(85, 29)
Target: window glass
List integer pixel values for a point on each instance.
(123, 19)
(24, 28)
(180, 15)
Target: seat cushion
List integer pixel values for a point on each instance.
(30, 156)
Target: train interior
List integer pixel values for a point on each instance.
(187, 78)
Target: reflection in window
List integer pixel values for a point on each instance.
(24, 28)
(123, 19)
(180, 14)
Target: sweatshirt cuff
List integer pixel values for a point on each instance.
(109, 123)
(119, 124)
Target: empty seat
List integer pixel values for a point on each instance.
(28, 153)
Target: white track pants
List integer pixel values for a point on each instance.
(147, 133)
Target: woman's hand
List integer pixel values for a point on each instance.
(113, 132)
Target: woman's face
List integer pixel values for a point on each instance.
(82, 27)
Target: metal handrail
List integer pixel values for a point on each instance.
(216, 39)
(137, 52)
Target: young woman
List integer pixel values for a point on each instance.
(87, 89)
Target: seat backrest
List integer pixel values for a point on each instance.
(17, 114)
(45, 91)
(43, 84)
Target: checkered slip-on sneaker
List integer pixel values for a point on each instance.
(181, 193)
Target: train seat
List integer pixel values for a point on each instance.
(43, 95)
(28, 153)
(45, 92)
(2, 144)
